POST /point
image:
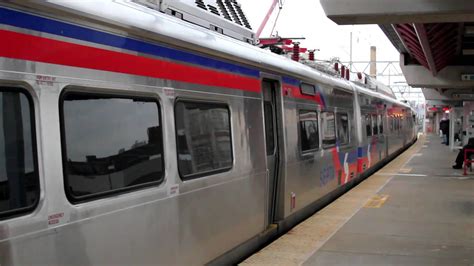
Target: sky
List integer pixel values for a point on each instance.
(306, 18)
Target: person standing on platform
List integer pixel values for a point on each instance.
(444, 127)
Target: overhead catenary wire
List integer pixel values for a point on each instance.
(267, 17)
(280, 7)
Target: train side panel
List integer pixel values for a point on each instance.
(316, 167)
(186, 222)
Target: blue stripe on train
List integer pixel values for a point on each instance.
(362, 152)
(36, 23)
(351, 157)
(291, 81)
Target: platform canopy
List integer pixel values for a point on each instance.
(435, 38)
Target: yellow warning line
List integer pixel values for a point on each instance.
(376, 201)
(405, 170)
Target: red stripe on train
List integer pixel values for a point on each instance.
(22, 46)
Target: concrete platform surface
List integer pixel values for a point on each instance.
(417, 210)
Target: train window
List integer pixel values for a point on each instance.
(380, 123)
(309, 133)
(368, 125)
(375, 129)
(203, 138)
(342, 128)
(328, 127)
(308, 89)
(19, 181)
(111, 144)
(269, 130)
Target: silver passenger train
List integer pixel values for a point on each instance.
(130, 136)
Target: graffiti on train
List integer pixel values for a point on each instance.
(327, 174)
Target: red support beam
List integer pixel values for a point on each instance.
(450, 38)
(441, 34)
(432, 45)
(425, 45)
(460, 29)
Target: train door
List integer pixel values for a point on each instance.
(385, 124)
(270, 109)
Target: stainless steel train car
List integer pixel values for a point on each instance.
(132, 137)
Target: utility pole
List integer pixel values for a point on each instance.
(373, 62)
(350, 54)
(389, 76)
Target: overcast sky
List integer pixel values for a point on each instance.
(306, 18)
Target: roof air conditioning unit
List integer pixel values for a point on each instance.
(223, 16)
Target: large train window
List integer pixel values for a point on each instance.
(309, 133)
(342, 128)
(111, 144)
(19, 181)
(368, 125)
(328, 127)
(203, 136)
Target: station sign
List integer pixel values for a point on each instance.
(467, 77)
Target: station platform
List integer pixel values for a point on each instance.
(416, 210)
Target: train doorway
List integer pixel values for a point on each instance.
(270, 107)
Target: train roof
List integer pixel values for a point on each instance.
(128, 17)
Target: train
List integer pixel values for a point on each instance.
(131, 136)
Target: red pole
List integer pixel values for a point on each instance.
(465, 162)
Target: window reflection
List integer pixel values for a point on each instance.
(375, 128)
(309, 133)
(368, 125)
(203, 138)
(19, 185)
(328, 123)
(112, 143)
(380, 123)
(343, 128)
(269, 129)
